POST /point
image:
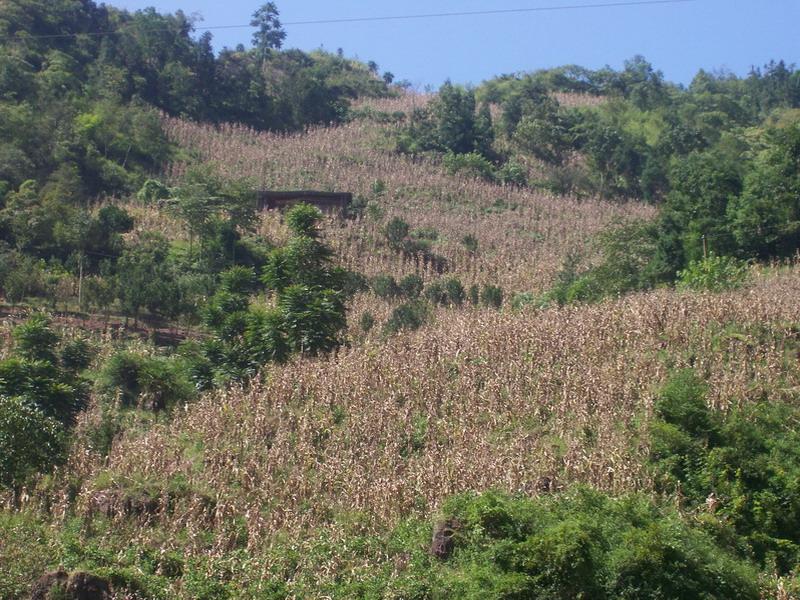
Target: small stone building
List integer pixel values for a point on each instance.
(335, 203)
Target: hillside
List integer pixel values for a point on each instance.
(551, 349)
(523, 235)
(303, 478)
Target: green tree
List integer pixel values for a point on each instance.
(765, 218)
(270, 34)
(313, 318)
(454, 114)
(30, 441)
(145, 277)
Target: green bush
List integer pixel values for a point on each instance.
(407, 317)
(35, 340)
(492, 296)
(366, 322)
(26, 552)
(76, 355)
(152, 190)
(411, 286)
(385, 286)
(471, 164)
(744, 463)
(447, 292)
(580, 544)
(474, 294)
(426, 233)
(455, 291)
(396, 231)
(30, 441)
(153, 381)
(715, 274)
(522, 299)
(303, 219)
(628, 253)
(35, 373)
(512, 173)
(470, 243)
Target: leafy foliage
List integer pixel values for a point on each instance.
(743, 466)
(308, 314)
(715, 273)
(30, 441)
(41, 393)
(409, 316)
(581, 544)
(450, 124)
(151, 382)
(447, 292)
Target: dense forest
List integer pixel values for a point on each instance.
(548, 351)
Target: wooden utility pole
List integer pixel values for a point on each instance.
(705, 247)
(80, 282)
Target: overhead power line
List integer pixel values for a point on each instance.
(501, 11)
(506, 11)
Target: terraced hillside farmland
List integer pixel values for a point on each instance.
(356, 443)
(551, 349)
(523, 235)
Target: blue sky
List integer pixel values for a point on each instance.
(678, 39)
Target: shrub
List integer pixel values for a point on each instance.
(313, 318)
(426, 233)
(471, 164)
(436, 293)
(580, 544)
(385, 286)
(448, 292)
(408, 316)
(264, 337)
(34, 373)
(522, 299)
(745, 461)
(715, 274)
(455, 291)
(152, 381)
(512, 173)
(239, 280)
(492, 296)
(76, 355)
(366, 322)
(474, 294)
(25, 278)
(411, 286)
(396, 231)
(152, 190)
(470, 242)
(303, 219)
(35, 340)
(30, 441)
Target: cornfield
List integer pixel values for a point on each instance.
(529, 401)
(523, 234)
(526, 402)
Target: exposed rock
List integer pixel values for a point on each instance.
(116, 503)
(85, 586)
(55, 579)
(545, 484)
(443, 542)
(78, 586)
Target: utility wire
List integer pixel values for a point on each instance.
(506, 11)
(487, 12)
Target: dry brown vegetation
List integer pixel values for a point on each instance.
(531, 401)
(517, 401)
(523, 234)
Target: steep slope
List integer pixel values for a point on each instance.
(523, 234)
